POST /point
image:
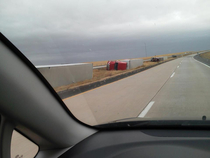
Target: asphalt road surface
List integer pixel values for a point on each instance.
(186, 95)
(179, 89)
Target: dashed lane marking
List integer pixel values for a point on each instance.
(145, 111)
(173, 75)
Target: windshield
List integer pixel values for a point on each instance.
(113, 61)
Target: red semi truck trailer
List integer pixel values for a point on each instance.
(121, 65)
(116, 65)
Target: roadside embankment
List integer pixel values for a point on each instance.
(204, 58)
(102, 77)
(71, 79)
(205, 55)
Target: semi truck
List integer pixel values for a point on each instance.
(116, 65)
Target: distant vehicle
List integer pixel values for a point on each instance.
(116, 65)
(155, 59)
(174, 56)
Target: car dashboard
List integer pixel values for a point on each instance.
(143, 143)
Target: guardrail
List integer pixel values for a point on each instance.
(99, 67)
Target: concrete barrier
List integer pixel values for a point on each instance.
(61, 75)
(135, 63)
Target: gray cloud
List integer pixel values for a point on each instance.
(75, 25)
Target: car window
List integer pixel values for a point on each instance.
(21, 147)
(112, 61)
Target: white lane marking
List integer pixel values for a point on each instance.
(144, 112)
(172, 74)
(177, 66)
(202, 63)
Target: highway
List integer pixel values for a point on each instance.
(186, 95)
(178, 89)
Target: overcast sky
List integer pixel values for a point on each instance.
(68, 31)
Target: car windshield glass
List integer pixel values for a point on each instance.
(115, 61)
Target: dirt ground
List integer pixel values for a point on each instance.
(206, 55)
